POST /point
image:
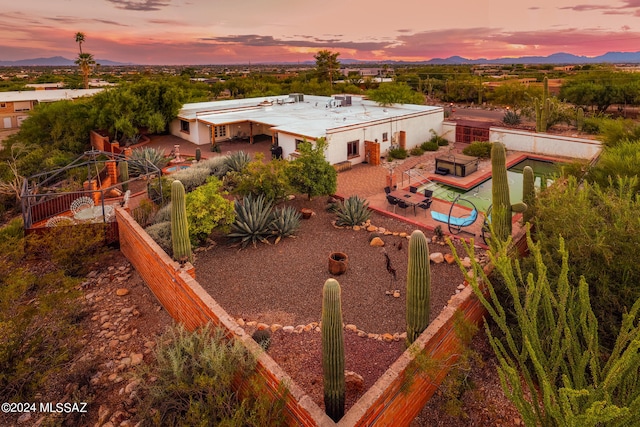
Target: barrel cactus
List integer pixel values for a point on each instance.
(179, 226)
(502, 208)
(528, 193)
(333, 350)
(418, 286)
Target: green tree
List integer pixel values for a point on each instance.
(84, 60)
(267, 179)
(551, 365)
(311, 173)
(327, 66)
(207, 210)
(395, 93)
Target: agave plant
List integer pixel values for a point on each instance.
(286, 222)
(237, 161)
(142, 159)
(253, 222)
(353, 211)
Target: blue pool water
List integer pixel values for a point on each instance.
(480, 195)
(176, 168)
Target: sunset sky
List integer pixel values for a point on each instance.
(242, 31)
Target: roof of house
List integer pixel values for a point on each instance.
(314, 116)
(46, 95)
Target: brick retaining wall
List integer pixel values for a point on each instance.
(395, 399)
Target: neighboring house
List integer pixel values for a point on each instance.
(345, 121)
(15, 106)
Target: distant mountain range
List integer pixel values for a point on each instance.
(56, 61)
(556, 58)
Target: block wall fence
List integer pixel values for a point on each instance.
(394, 400)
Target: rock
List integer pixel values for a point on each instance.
(356, 228)
(262, 326)
(122, 292)
(275, 327)
(436, 257)
(433, 239)
(103, 413)
(461, 286)
(351, 327)
(251, 323)
(403, 234)
(124, 337)
(372, 228)
(450, 259)
(387, 337)
(395, 233)
(388, 233)
(288, 329)
(240, 321)
(382, 230)
(308, 327)
(24, 418)
(362, 334)
(131, 386)
(372, 336)
(136, 358)
(353, 382)
(106, 325)
(376, 242)
(150, 344)
(466, 262)
(396, 293)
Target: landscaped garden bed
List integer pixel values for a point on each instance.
(281, 285)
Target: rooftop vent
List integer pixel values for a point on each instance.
(297, 97)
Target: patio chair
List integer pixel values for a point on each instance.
(392, 201)
(425, 204)
(428, 194)
(403, 205)
(413, 189)
(81, 203)
(387, 190)
(60, 221)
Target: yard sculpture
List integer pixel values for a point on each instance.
(179, 226)
(333, 350)
(418, 286)
(502, 209)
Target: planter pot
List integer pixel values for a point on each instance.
(306, 213)
(338, 263)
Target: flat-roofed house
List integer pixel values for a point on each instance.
(346, 121)
(15, 106)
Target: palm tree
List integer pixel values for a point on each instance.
(85, 60)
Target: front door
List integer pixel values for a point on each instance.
(6, 122)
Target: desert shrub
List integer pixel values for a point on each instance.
(617, 131)
(511, 118)
(263, 338)
(429, 146)
(592, 125)
(439, 140)
(600, 228)
(551, 364)
(160, 232)
(141, 158)
(237, 161)
(163, 214)
(480, 149)
(622, 159)
(416, 151)
(191, 177)
(196, 373)
(144, 213)
(206, 210)
(397, 153)
(71, 249)
(353, 211)
(253, 220)
(267, 179)
(286, 222)
(215, 165)
(310, 173)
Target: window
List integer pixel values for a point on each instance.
(298, 142)
(22, 106)
(220, 131)
(385, 136)
(352, 149)
(184, 126)
(3, 105)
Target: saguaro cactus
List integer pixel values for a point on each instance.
(502, 209)
(580, 119)
(528, 193)
(333, 350)
(543, 107)
(179, 225)
(123, 171)
(418, 286)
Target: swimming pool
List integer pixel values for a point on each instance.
(480, 195)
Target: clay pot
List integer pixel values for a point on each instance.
(306, 213)
(338, 263)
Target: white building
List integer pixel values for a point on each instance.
(346, 121)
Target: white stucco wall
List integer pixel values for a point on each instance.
(449, 131)
(548, 144)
